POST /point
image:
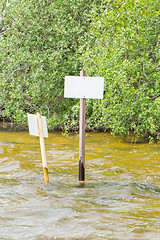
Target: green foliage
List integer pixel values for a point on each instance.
(124, 48)
(42, 41)
(39, 41)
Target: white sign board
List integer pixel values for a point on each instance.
(33, 125)
(83, 87)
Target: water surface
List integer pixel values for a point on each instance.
(120, 199)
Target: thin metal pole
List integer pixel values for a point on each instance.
(82, 135)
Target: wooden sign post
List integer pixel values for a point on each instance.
(43, 152)
(82, 135)
(83, 87)
(38, 127)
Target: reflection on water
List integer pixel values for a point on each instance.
(120, 199)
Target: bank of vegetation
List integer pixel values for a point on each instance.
(42, 41)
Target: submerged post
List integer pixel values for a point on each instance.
(43, 153)
(83, 87)
(82, 135)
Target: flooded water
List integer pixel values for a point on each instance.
(120, 199)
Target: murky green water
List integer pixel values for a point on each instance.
(120, 199)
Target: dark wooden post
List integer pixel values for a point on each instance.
(82, 135)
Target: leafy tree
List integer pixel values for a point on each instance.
(124, 48)
(42, 41)
(39, 41)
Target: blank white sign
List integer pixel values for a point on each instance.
(83, 87)
(33, 125)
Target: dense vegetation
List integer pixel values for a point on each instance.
(42, 41)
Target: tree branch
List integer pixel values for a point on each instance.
(144, 72)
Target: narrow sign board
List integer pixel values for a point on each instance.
(33, 125)
(84, 87)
